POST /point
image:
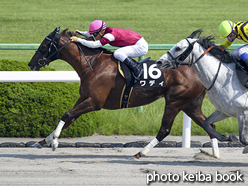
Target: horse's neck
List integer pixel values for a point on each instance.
(207, 67)
(77, 58)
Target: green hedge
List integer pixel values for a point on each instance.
(35, 109)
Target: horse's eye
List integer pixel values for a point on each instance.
(178, 48)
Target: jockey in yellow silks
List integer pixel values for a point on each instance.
(231, 31)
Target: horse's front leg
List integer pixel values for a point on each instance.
(81, 107)
(167, 121)
(195, 113)
(52, 138)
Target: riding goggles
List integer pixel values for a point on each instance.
(229, 37)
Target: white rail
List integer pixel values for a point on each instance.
(186, 131)
(39, 76)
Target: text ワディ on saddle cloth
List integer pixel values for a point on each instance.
(151, 77)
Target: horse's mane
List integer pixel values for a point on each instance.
(68, 34)
(221, 55)
(207, 42)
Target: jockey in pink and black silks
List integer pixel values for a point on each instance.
(130, 42)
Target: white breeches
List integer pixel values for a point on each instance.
(236, 53)
(139, 49)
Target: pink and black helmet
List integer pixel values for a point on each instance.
(97, 26)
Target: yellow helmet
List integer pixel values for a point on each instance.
(226, 28)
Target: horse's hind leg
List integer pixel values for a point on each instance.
(195, 113)
(243, 130)
(214, 117)
(167, 121)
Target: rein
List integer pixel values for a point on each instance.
(90, 64)
(217, 73)
(84, 56)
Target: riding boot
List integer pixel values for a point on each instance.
(137, 70)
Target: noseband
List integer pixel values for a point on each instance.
(182, 56)
(49, 54)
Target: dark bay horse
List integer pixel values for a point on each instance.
(102, 85)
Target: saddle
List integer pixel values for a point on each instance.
(242, 73)
(151, 77)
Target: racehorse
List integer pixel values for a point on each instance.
(216, 70)
(102, 85)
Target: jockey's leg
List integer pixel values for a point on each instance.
(243, 53)
(124, 54)
(137, 70)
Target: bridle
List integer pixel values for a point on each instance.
(182, 56)
(52, 53)
(187, 52)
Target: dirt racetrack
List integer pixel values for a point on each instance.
(115, 166)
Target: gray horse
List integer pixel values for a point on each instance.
(216, 70)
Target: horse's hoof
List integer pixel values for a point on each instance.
(245, 151)
(55, 144)
(37, 145)
(233, 138)
(137, 156)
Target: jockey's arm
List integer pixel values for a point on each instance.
(90, 44)
(226, 43)
(107, 38)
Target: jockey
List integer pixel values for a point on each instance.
(132, 44)
(231, 31)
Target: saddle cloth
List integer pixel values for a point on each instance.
(151, 77)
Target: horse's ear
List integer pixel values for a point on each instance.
(55, 30)
(199, 31)
(58, 29)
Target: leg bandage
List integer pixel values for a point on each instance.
(58, 129)
(147, 148)
(215, 148)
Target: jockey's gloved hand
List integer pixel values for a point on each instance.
(74, 38)
(76, 32)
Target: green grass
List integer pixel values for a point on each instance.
(158, 21)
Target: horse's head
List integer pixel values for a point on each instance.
(47, 51)
(179, 54)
